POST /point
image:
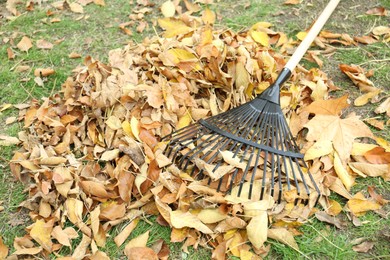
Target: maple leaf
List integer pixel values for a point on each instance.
(328, 107)
(342, 132)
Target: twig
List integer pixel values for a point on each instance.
(382, 60)
(330, 242)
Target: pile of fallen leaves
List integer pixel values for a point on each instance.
(91, 154)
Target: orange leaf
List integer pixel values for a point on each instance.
(328, 107)
(43, 72)
(10, 54)
(377, 155)
(3, 249)
(380, 11)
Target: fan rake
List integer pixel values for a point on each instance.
(250, 150)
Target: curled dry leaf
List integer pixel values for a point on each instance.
(284, 236)
(257, 229)
(180, 219)
(43, 72)
(363, 247)
(380, 11)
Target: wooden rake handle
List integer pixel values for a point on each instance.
(311, 35)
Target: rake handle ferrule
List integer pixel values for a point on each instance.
(272, 93)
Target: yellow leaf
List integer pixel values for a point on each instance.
(363, 99)
(334, 208)
(185, 120)
(344, 176)
(260, 37)
(180, 219)
(259, 25)
(368, 169)
(301, 35)
(135, 127)
(318, 149)
(284, 236)
(242, 76)
(181, 55)
(358, 205)
(254, 208)
(361, 148)
(168, 9)
(173, 27)
(257, 229)
(208, 16)
(41, 231)
(209, 216)
(126, 126)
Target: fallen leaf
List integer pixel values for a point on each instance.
(168, 9)
(328, 107)
(336, 221)
(363, 247)
(377, 155)
(74, 55)
(341, 132)
(292, 2)
(10, 54)
(138, 253)
(384, 107)
(3, 249)
(257, 229)
(380, 11)
(125, 233)
(110, 155)
(209, 216)
(28, 251)
(76, 8)
(358, 205)
(284, 236)
(43, 72)
(173, 27)
(25, 44)
(342, 173)
(208, 16)
(43, 44)
(139, 241)
(180, 219)
(80, 251)
(41, 231)
(318, 149)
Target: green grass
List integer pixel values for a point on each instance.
(99, 33)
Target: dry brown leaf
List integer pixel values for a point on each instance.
(341, 132)
(384, 107)
(336, 221)
(43, 72)
(328, 107)
(292, 2)
(80, 251)
(10, 54)
(208, 16)
(76, 8)
(363, 247)
(28, 251)
(173, 27)
(380, 11)
(139, 241)
(3, 249)
(25, 44)
(99, 2)
(209, 216)
(141, 253)
(43, 44)
(377, 155)
(125, 233)
(74, 55)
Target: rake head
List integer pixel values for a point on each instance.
(247, 151)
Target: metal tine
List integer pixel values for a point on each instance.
(243, 134)
(188, 134)
(182, 144)
(276, 123)
(258, 134)
(243, 177)
(303, 180)
(201, 146)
